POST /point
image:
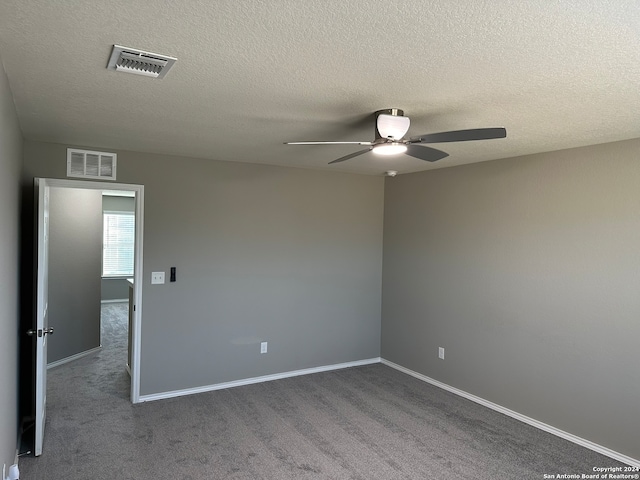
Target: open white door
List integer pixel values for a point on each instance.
(42, 328)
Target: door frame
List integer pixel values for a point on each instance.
(138, 275)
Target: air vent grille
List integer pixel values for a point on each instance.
(131, 60)
(89, 164)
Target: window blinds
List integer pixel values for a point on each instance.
(118, 244)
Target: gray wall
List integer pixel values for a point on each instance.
(527, 272)
(10, 157)
(116, 288)
(75, 263)
(285, 255)
(118, 204)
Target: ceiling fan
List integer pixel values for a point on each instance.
(390, 129)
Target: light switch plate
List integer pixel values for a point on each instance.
(157, 277)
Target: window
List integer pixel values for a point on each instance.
(118, 234)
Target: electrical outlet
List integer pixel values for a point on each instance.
(441, 353)
(157, 278)
(263, 347)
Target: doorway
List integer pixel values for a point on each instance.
(79, 195)
(91, 260)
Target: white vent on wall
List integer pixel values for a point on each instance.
(132, 60)
(89, 164)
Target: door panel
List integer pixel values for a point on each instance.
(42, 312)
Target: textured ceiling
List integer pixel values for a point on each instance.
(253, 74)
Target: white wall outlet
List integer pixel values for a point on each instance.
(441, 353)
(157, 278)
(263, 347)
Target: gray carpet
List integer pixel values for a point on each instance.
(360, 423)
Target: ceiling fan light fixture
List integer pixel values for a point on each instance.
(392, 126)
(392, 148)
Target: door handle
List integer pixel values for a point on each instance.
(40, 332)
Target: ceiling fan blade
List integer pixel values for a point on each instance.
(328, 143)
(351, 155)
(425, 153)
(461, 135)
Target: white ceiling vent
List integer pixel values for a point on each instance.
(89, 164)
(131, 60)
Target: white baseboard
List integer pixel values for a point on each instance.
(250, 381)
(57, 363)
(523, 418)
(117, 300)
